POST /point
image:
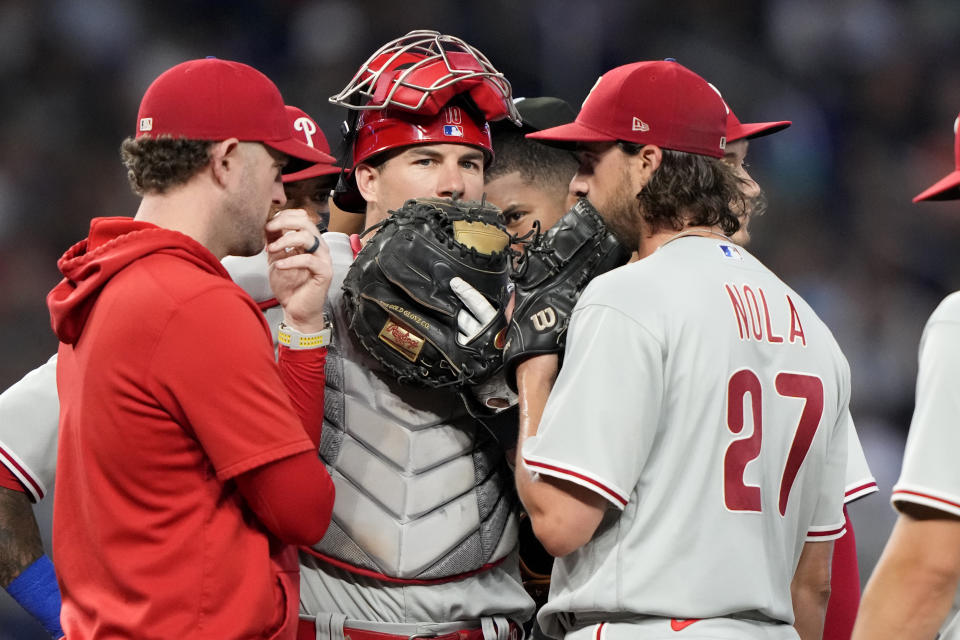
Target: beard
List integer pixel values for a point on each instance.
(750, 207)
(244, 222)
(621, 211)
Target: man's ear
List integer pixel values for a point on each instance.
(225, 160)
(651, 156)
(645, 162)
(368, 181)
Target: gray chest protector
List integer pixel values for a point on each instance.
(423, 490)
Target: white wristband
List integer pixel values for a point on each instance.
(293, 339)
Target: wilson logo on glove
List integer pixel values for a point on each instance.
(544, 319)
(554, 270)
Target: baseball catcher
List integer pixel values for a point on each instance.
(426, 295)
(550, 277)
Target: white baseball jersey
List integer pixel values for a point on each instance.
(860, 481)
(708, 404)
(930, 475)
(29, 421)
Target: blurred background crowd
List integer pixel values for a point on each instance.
(872, 87)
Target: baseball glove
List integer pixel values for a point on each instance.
(426, 295)
(553, 272)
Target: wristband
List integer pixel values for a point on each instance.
(36, 590)
(293, 339)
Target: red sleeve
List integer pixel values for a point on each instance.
(10, 481)
(303, 372)
(844, 587)
(293, 497)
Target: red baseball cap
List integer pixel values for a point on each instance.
(656, 102)
(214, 99)
(737, 130)
(305, 130)
(947, 187)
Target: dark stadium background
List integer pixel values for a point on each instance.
(873, 87)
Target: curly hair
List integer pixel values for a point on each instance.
(157, 164)
(690, 190)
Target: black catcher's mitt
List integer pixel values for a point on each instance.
(400, 303)
(550, 278)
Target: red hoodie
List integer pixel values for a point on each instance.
(168, 391)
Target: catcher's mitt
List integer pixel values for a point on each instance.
(552, 274)
(400, 302)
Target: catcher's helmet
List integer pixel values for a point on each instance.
(423, 88)
(385, 129)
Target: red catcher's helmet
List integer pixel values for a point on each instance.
(403, 88)
(422, 71)
(386, 129)
(423, 88)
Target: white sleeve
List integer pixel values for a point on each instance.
(252, 275)
(860, 482)
(591, 434)
(930, 475)
(829, 523)
(29, 424)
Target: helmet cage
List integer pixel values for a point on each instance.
(422, 71)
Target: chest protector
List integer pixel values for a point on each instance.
(423, 490)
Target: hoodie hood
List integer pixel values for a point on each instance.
(113, 244)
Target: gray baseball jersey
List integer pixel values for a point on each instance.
(708, 404)
(29, 420)
(930, 475)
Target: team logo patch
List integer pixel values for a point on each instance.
(453, 130)
(306, 126)
(730, 251)
(146, 124)
(640, 125)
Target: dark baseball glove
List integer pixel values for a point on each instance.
(426, 295)
(550, 277)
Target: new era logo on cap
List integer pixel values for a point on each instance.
(681, 111)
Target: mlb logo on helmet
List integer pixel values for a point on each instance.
(453, 118)
(146, 124)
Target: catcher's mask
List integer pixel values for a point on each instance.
(423, 88)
